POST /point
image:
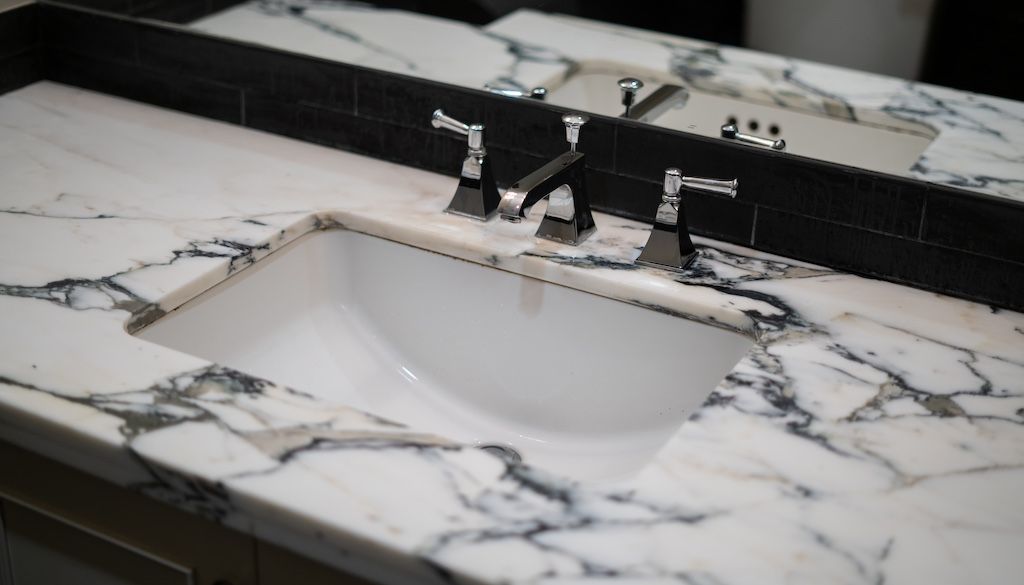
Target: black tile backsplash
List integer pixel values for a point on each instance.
(21, 59)
(993, 228)
(285, 76)
(89, 33)
(908, 231)
(20, 70)
(18, 31)
(889, 257)
(841, 195)
(179, 11)
(179, 92)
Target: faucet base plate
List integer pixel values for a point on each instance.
(684, 263)
(567, 231)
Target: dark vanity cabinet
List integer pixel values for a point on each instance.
(59, 526)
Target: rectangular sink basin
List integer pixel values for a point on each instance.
(857, 144)
(577, 384)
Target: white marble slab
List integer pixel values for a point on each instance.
(980, 139)
(875, 433)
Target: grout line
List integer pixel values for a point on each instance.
(355, 95)
(753, 226)
(615, 150)
(924, 210)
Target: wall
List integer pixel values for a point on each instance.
(880, 36)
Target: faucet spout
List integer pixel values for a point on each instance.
(568, 218)
(522, 195)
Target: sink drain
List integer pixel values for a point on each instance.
(503, 452)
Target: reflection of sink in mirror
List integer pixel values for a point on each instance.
(580, 385)
(869, 146)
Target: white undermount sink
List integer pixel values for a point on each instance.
(890, 148)
(578, 384)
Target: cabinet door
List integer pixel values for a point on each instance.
(5, 563)
(278, 566)
(43, 550)
(60, 517)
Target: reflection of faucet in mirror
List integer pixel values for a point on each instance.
(652, 107)
(667, 97)
(629, 86)
(537, 93)
(568, 218)
(731, 131)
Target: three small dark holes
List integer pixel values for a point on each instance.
(753, 125)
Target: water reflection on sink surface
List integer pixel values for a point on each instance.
(889, 149)
(579, 384)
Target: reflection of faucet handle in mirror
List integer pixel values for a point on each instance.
(731, 131)
(573, 122)
(537, 93)
(629, 87)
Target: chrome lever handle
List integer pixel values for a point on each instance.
(629, 87)
(731, 131)
(440, 120)
(675, 180)
(537, 93)
(573, 122)
(475, 132)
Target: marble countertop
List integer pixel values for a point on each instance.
(874, 433)
(979, 143)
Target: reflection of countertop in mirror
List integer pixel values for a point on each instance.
(390, 40)
(980, 139)
(873, 433)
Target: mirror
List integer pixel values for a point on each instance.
(652, 66)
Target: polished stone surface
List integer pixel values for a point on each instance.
(875, 433)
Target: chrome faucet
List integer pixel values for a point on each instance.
(669, 246)
(563, 181)
(477, 195)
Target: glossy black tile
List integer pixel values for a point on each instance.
(509, 165)
(414, 147)
(176, 11)
(408, 101)
(177, 92)
(19, 30)
(719, 217)
(624, 196)
(645, 152)
(841, 195)
(20, 70)
(282, 75)
(97, 35)
(980, 225)
(936, 268)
